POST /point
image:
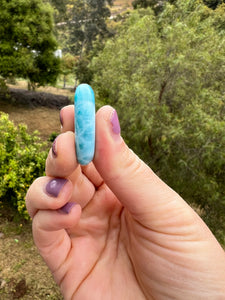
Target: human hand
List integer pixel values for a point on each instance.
(129, 236)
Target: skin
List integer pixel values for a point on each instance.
(129, 236)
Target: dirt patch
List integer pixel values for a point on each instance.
(37, 116)
(43, 119)
(23, 274)
(123, 3)
(120, 6)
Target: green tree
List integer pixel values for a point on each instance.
(83, 32)
(60, 9)
(165, 76)
(156, 5)
(27, 43)
(67, 66)
(87, 22)
(143, 3)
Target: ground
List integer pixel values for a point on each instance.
(23, 274)
(120, 6)
(43, 119)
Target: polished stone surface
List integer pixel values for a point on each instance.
(84, 103)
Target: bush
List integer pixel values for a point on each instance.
(165, 76)
(53, 136)
(22, 159)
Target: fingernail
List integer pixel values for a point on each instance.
(67, 207)
(54, 186)
(115, 123)
(54, 150)
(61, 118)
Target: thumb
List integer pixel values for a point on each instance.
(136, 186)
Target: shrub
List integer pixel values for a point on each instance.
(53, 136)
(22, 159)
(165, 76)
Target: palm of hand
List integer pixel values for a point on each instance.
(98, 264)
(111, 255)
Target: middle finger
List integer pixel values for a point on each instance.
(62, 163)
(61, 160)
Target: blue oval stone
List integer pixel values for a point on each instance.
(84, 103)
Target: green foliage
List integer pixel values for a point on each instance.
(219, 19)
(68, 62)
(82, 70)
(53, 136)
(60, 9)
(156, 5)
(27, 43)
(22, 160)
(213, 3)
(87, 22)
(143, 3)
(3, 86)
(82, 31)
(165, 76)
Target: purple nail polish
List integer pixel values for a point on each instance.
(115, 123)
(54, 151)
(54, 186)
(67, 207)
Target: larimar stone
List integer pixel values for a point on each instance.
(84, 103)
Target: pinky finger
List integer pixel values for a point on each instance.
(50, 234)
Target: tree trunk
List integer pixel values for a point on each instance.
(64, 81)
